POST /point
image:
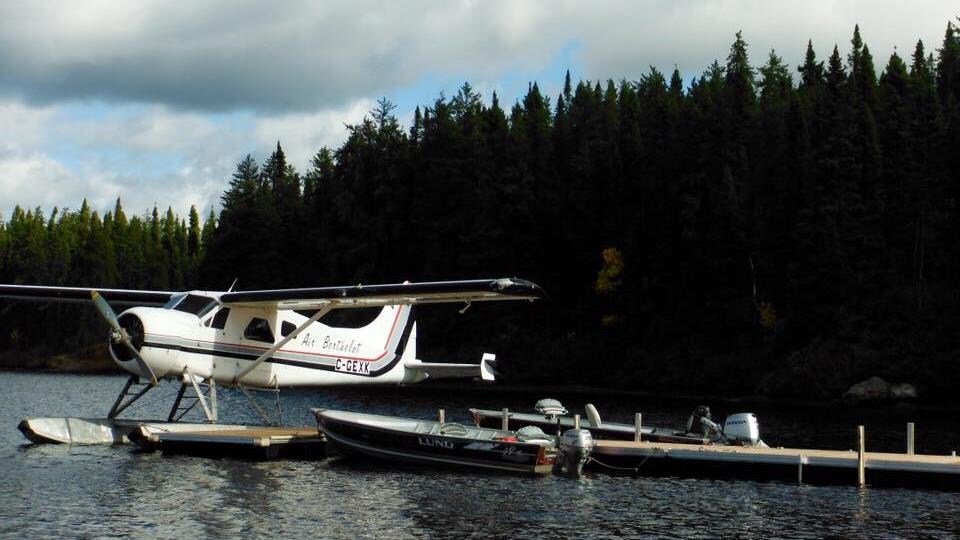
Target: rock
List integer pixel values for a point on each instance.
(821, 370)
(903, 391)
(872, 389)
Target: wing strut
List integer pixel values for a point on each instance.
(269, 352)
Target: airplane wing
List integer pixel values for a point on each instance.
(82, 294)
(476, 290)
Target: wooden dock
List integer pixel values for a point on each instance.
(786, 464)
(249, 442)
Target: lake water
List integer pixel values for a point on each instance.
(98, 491)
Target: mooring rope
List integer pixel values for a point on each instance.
(602, 464)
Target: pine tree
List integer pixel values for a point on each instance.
(926, 186)
(948, 68)
(228, 247)
(863, 78)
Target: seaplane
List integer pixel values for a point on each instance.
(260, 339)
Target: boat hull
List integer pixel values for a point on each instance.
(355, 439)
(608, 430)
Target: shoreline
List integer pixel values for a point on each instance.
(904, 406)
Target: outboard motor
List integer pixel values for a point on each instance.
(743, 429)
(575, 448)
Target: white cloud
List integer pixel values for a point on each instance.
(103, 106)
(146, 155)
(33, 179)
(22, 126)
(691, 34)
(302, 135)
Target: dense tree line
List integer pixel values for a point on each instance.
(755, 229)
(79, 248)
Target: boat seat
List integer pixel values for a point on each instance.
(593, 415)
(454, 430)
(431, 428)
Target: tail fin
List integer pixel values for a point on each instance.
(402, 345)
(391, 323)
(402, 348)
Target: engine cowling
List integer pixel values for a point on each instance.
(742, 428)
(158, 335)
(133, 326)
(575, 448)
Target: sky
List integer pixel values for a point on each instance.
(155, 102)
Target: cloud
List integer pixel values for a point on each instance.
(31, 177)
(302, 55)
(690, 35)
(156, 102)
(302, 135)
(22, 126)
(146, 155)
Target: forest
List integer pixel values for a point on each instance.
(755, 231)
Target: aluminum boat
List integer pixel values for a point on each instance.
(428, 442)
(742, 429)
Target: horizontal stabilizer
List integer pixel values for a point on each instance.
(437, 370)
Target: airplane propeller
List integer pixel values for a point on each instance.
(119, 333)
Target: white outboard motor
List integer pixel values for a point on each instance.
(575, 448)
(743, 429)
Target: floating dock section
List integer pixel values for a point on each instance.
(247, 442)
(785, 464)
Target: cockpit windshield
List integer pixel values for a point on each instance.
(195, 304)
(174, 300)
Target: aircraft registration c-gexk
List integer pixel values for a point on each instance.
(273, 338)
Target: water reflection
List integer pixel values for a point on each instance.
(49, 490)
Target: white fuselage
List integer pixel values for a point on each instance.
(213, 342)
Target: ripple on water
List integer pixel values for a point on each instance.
(51, 490)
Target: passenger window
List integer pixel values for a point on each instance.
(287, 328)
(220, 319)
(259, 330)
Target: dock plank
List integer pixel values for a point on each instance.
(806, 465)
(756, 451)
(280, 432)
(781, 452)
(258, 442)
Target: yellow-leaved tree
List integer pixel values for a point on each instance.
(609, 280)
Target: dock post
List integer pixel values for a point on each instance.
(637, 422)
(800, 464)
(441, 414)
(576, 421)
(506, 419)
(861, 457)
(910, 433)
